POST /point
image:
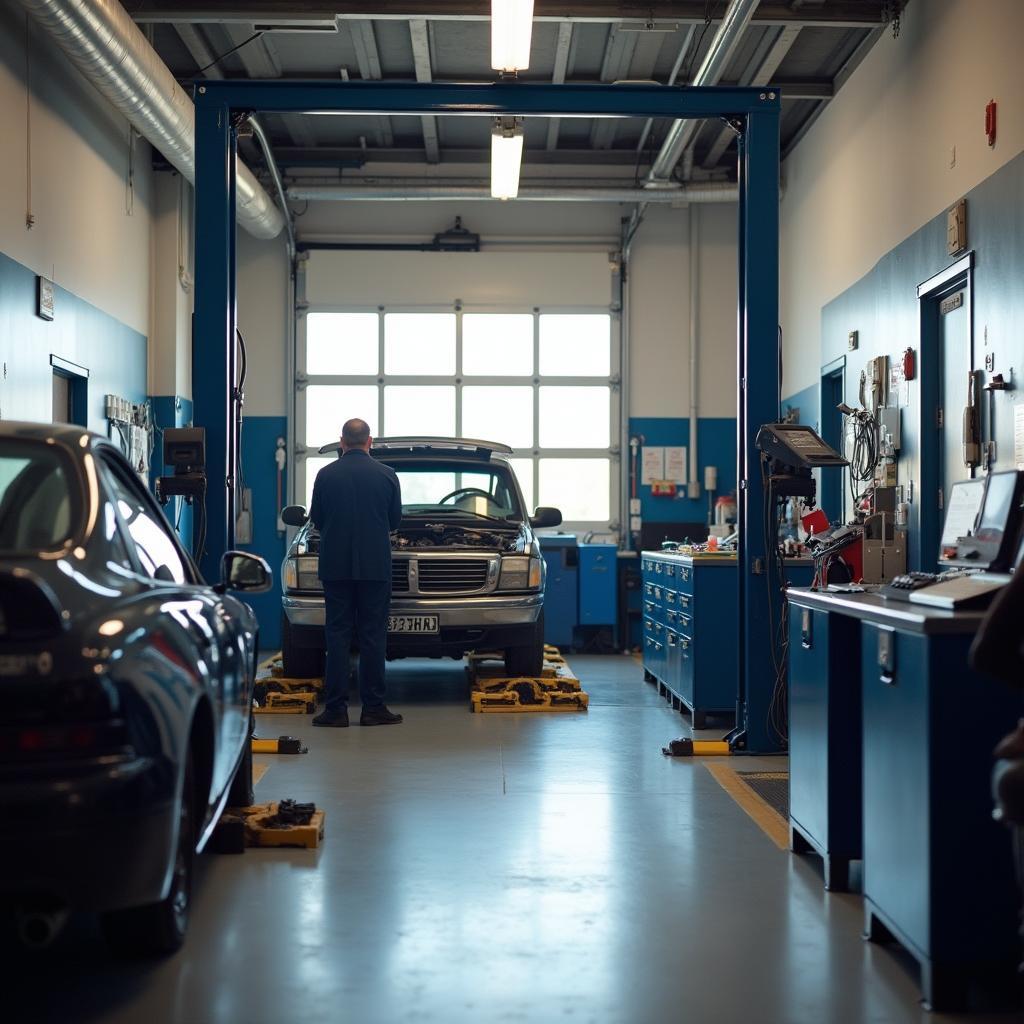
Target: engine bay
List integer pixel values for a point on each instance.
(449, 535)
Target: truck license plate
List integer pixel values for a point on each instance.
(412, 624)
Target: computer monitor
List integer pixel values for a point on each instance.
(992, 541)
(962, 511)
(794, 444)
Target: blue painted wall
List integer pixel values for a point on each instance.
(883, 307)
(114, 354)
(259, 443)
(808, 405)
(716, 446)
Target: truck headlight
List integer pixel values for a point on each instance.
(520, 573)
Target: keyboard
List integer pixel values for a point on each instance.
(903, 586)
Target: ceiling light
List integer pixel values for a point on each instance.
(511, 29)
(506, 157)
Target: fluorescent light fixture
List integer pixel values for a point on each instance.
(511, 29)
(506, 157)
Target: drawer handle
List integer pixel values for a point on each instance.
(887, 657)
(806, 629)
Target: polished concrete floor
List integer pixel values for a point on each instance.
(497, 868)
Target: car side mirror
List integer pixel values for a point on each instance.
(294, 515)
(544, 517)
(241, 570)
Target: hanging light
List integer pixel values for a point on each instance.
(506, 157)
(511, 29)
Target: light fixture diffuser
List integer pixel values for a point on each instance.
(511, 32)
(506, 157)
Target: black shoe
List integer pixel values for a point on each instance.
(338, 719)
(379, 716)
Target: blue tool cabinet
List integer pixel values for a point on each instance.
(938, 870)
(825, 739)
(598, 584)
(690, 647)
(561, 595)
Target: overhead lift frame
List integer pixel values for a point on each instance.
(753, 112)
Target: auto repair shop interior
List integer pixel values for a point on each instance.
(692, 330)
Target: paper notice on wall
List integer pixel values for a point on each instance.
(652, 466)
(675, 464)
(1018, 435)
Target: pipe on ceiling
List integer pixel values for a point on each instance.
(108, 48)
(275, 176)
(414, 191)
(682, 133)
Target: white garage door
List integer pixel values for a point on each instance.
(539, 376)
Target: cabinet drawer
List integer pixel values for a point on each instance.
(685, 603)
(684, 623)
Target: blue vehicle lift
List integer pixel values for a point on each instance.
(753, 112)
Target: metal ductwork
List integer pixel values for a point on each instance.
(101, 40)
(415, 191)
(682, 133)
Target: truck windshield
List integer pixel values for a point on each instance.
(431, 488)
(39, 504)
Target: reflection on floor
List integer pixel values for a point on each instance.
(499, 868)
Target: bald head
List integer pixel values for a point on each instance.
(355, 434)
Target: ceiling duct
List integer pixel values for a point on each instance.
(682, 133)
(108, 48)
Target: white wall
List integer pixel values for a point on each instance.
(877, 164)
(92, 232)
(660, 312)
(525, 246)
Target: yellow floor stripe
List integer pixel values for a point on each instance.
(258, 771)
(766, 817)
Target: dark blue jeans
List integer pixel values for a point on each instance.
(356, 608)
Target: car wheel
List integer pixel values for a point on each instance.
(528, 659)
(298, 662)
(158, 929)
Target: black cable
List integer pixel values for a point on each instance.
(708, 18)
(234, 49)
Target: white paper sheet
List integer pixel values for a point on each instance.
(653, 467)
(675, 464)
(1018, 435)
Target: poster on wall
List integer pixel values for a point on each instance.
(675, 464)
(652, 465)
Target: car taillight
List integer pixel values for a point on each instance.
(80, 739)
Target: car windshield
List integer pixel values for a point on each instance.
(437, 488)
(39, 504)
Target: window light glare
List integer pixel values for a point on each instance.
(511, 31)
(506, 161)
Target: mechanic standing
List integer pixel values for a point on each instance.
(357, 502)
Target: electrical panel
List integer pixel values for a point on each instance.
(131, 426)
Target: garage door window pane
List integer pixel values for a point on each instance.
(523, 469)
(503, 414)
(578, 487)
(329, 405)
(419, 344)
(313, 466)
(342, 343)
(497, 344)
(575, 417)
(418, 411)
(575, 344)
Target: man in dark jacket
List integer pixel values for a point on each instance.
(357, 502)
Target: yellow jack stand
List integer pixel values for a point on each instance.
(686, 747)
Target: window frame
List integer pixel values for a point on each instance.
(612, 453)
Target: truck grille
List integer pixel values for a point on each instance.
(400, 576)
(452, 575)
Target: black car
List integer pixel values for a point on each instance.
(125, 693)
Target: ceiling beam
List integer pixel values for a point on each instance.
(199, 51)
(364, 40)
(324, 13)
(760, 72)
(420, 37)
(348, 156)
(618, 58)
(562, 49)
(851, 65)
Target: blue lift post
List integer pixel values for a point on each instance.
(756, 113)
